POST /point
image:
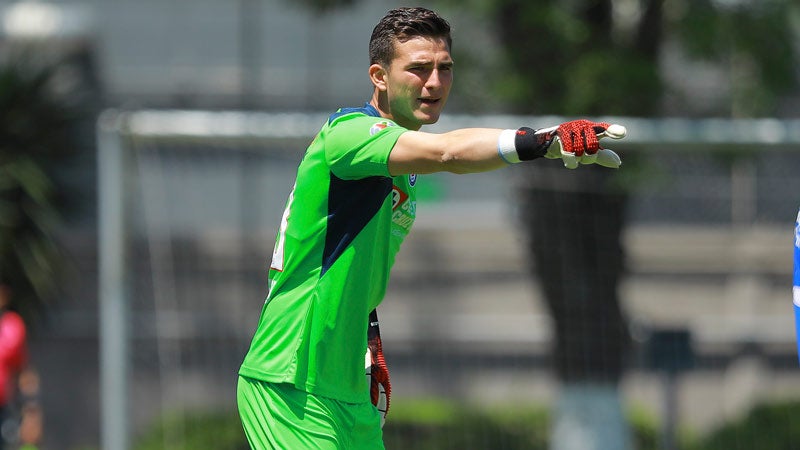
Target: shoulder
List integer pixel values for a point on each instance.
(364, 111)
(366, 117)
(351, 128)
(12, 327)
(12, 319)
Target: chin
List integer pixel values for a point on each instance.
(428, 119)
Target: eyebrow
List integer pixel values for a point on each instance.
(428, 62)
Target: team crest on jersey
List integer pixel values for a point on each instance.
(398, 197)
(404, 210)
(378, 126)
(412, 179)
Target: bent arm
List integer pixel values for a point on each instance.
(465, 150)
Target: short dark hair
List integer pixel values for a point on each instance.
(402, 24)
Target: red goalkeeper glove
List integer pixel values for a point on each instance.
(380, 388)
(578, 142)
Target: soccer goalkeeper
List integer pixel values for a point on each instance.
(302, 383)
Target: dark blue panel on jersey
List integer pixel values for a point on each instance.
(366, 109)
(351, 205)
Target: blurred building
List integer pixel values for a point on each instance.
(272, 53)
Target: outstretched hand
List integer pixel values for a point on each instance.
(578, 142)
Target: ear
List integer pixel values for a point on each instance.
(377, 74)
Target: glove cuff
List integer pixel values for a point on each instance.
(506, 146)
(531, 145)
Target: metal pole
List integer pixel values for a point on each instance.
(668, 437)
(112, 286)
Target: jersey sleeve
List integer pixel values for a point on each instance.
(358, 146)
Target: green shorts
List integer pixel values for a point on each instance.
(279, 416)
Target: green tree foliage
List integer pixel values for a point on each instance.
(751, 40)
(604, 57)
(443, 425)
(572, 58)
(37, 119)
(768, 426)
(416, 424)
(202, 430)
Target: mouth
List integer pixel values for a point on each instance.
(429, 101)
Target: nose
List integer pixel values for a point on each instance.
(434, 80)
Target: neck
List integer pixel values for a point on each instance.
(380, 101)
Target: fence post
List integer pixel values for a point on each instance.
(112, 299)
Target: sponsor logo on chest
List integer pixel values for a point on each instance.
(404, 209)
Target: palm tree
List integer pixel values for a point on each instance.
(38, 135)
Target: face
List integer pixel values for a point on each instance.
(418, 81)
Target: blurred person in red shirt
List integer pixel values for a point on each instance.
(13, 352)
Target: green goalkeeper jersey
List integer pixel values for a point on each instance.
(342, 227)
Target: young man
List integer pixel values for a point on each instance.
(302, 382)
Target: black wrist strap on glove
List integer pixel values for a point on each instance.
(530, 144)
(524, 144)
